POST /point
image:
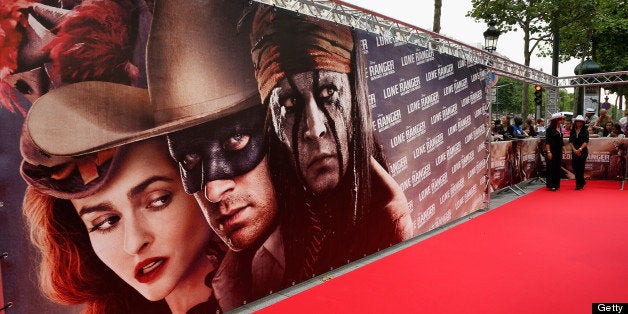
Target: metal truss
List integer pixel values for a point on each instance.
(356, 17)
(347, 14)
(599, 79)
(551, 101)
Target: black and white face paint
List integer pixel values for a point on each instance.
(311, 114)
(221, 149)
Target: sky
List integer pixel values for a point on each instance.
(454, 24)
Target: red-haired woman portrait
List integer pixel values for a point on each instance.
(136, 237)
(114, 227)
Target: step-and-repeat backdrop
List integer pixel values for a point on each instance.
(429, 112)
(515, 161)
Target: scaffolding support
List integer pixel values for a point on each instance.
(353, 16)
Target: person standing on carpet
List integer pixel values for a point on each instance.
(554, 150)
(578, 141)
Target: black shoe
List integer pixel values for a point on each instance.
(579, 187)
(553, 189)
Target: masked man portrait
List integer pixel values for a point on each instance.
(205, 99)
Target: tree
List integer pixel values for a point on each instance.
(565, 100)
(510, 91)
(609, 42)
(596, 29)
(508, 14)
(536, 19)
(438, 4)
(507, 96)
(605, 29)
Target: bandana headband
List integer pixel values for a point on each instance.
(285, 44)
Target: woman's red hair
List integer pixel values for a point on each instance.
(95, 41)
(70, 272)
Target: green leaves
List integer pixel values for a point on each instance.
(596, 29)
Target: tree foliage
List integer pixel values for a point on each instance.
(508, 98)
(596, 29)
(528, 15)
(509, 15)
(609, 40)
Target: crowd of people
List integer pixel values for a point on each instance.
(578, 131)
(508, 128)
(604, 125)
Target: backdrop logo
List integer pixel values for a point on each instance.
(421, 174)
(442, 220)
(461, 85)
(477, 76)
(372, 101)
(410, 85)
(429, 146)
(398, 139)
(389, 120)
(445, 71)
(415, 131)
(424, 103)
(439, 182)
(424, 56)
(399, 166)
(476, 96)
(454, 150)
(426, 215)
(365, 46)
(383, 41)
(408, 59)
(382, 69)
(450, 112)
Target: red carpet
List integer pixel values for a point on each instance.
(546, 252)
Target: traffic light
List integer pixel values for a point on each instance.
(538, 95)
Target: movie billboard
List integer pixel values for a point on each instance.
(606, 160)
(209, 153)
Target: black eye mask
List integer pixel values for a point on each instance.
(206, 152)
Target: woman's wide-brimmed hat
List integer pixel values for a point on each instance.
(198, 69)
(557, 115)
(579, 118)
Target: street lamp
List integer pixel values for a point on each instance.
(491, 34)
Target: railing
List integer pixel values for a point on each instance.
(598, 79)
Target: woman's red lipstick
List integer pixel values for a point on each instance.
(147, 270)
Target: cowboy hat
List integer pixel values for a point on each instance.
(557, 115)
(579, 118)
(198, 69)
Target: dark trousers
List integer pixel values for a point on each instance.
(577, 162)
(553, 171)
